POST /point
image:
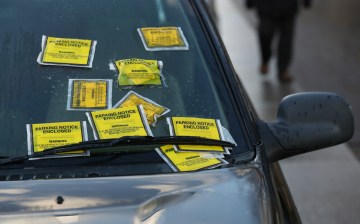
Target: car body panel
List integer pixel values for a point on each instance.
(219, 196)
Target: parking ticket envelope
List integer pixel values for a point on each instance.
(152, 110)
(48, 135)
(116, 123)
(199, 127)
(188, 161)
(137, 72)
(163, 38)
(89, 94)
(66, 52)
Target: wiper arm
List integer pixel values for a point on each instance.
(122, 141)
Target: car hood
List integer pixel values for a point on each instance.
(218, 196)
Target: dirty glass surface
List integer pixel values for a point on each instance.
(31, 93)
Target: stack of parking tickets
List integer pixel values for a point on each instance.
(194, 157)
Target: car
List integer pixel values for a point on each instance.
(131, 112)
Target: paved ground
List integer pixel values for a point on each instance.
(328, 53)
(324, 183)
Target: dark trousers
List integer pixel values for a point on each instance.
(268, 27)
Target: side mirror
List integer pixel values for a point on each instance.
(307, 122)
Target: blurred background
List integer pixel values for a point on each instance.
(325, 184)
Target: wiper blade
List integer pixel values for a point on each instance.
(122, 141)
(169, 140)
(135, 141)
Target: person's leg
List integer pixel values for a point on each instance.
(266, 31)
(285, 47)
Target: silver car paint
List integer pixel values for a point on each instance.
(229, 195)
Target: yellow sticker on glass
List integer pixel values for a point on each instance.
(139, 72)
(67, 52)
(188, 161)
(163, 38)
(200, 127)
(116, 123)
(89, 94)
(152, 110)
(49, 135)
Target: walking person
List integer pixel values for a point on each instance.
(277, 17)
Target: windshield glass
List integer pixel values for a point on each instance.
(36, 90)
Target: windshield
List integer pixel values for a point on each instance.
(38, 92)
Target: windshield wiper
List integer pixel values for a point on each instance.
(122, 141)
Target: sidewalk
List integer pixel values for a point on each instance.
(324, 183)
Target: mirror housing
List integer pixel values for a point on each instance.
(307, 122)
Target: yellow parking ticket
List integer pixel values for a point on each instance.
(152, 110)
(188, 161)
(139, 72)
(116, 123)
(89, 94)
(67, 52)
(163, 38)
(49, 135)
(200, 127)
